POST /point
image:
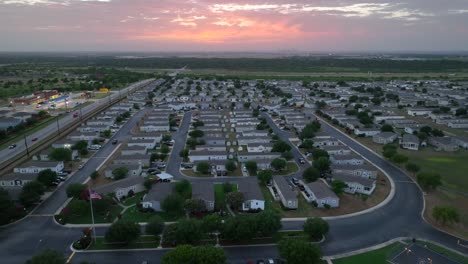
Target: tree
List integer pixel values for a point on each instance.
(195, 255)
(297, 251)
(389, 153)
(310, 129)
(445, 214)
(48, 256)
(311, 174)
(78, 207)
(240, 228)
(429, 180)
(264, 176)
(280, 146)
(287, 155)
(165, 149)
(184, 153)
(31, 192)
(120, 173)
(231, 165)
(155, 226)
(195, 205)
(235, 199)
(386, 128)
(203, 167)
(198, 124)
(318, 153)
(75, 190)
(184, 189)
(412, 167)
(460, 112)
(106, 133)
(123, 231)
(322, 164)
(7, 207)
(188, 231)
(211, 223)
(80, 146)
(338, 186)
(268, 223)
(47, 177)
(196, 133)
(315, 228)
(278, 164)
(94, 175)
(61, 154)
(173, 204)
(399, 158)
(166, 138)
(307, 144)
(251, 167)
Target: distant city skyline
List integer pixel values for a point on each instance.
(239, 25)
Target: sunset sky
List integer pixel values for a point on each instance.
(237, 25)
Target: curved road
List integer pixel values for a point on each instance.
(401, 217)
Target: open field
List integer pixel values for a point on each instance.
(220, 196)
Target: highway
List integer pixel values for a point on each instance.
(10, 154)
(401, 217)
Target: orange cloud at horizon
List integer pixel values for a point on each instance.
(215, 34)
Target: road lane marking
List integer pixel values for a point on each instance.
(42, 215)
(70, 257)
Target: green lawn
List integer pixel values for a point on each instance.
(142, 242)
(134, 200)
(106, 217)
(433, 161)
(291, 167)
(378, 256)
(136, 215)
(220, 196)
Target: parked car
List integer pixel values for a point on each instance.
(12, 146)
(62, 173)
(81, 166)
(302, 161)
(294, 181)
(61, 178)
(114, 141)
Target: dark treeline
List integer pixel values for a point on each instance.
(288, 64)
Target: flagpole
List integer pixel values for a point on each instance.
(92, 213)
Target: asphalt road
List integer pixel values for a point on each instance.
(7, 154)
(400, 217)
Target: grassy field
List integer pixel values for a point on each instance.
(220, 196)
(106, 217)
(134, 200)
(141, 242)
(378, 256)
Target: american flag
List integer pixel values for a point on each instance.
(94, 195)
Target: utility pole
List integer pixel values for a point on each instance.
(26, 144)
